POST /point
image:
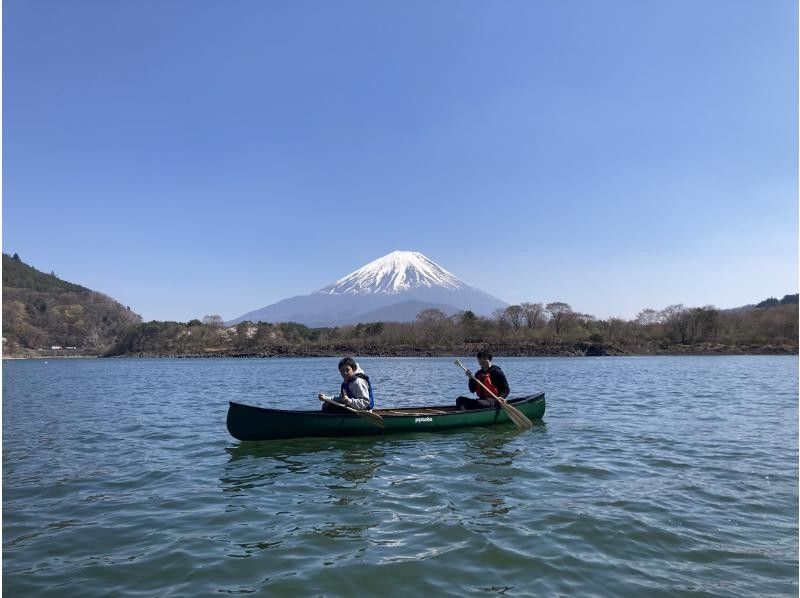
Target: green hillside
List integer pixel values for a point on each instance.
(41, 311)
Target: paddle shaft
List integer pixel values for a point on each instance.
(514, 414)
(373, 418)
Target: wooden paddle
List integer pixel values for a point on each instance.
(373, 418)
(514, 414)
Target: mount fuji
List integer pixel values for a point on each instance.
(392, 288)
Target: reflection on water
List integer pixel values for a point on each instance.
(494, 455)
(491, 448)
(287, 487)
(332, 460)
(358, 466)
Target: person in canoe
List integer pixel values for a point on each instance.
(492, 377)
(356, 390)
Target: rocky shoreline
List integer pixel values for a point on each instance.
(576, 349)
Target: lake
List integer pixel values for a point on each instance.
(656, 476)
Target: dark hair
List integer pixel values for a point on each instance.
(348, 361)
(484, 354)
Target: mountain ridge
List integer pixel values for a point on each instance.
(394, 278)
(41, 311)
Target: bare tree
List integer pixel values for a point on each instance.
(503, 324)
(648, 316)
(214, 321)
(533, 313)
(703, 322)
(676, 319)
(514, 315)
(499, 315)
(434, 323)
(559, 313)
(431, 315)
(616, 328)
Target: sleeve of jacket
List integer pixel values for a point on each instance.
(360, 390)
(473, 386)
(500, 382)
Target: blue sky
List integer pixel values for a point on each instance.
(191, 158)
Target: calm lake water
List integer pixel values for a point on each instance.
(649, 476)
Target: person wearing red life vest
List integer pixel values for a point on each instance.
(492, 378)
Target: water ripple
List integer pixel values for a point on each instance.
(648, 476)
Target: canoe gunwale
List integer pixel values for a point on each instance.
(251, 423)
(395, 411)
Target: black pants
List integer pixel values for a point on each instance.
(468, 403)
(328, 408)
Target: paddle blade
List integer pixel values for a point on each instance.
(374, 418)
(516, 416)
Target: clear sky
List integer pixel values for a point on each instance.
(191, 158)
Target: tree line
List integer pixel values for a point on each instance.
(41, 310)
(524, 329)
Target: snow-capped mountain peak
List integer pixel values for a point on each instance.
(396, 272)
(393, 288)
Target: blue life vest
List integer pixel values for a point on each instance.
(349, 395)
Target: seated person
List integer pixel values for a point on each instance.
(356, 390)
(492, 378)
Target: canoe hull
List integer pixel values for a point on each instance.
(246, 422)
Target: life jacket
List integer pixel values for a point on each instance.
(349, 394)
(486, 379)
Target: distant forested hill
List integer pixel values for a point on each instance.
(41, 311)
(772, 301)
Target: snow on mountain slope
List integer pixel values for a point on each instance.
(388, 288)
(394, 273)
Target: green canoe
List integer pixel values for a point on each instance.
(246, 422)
